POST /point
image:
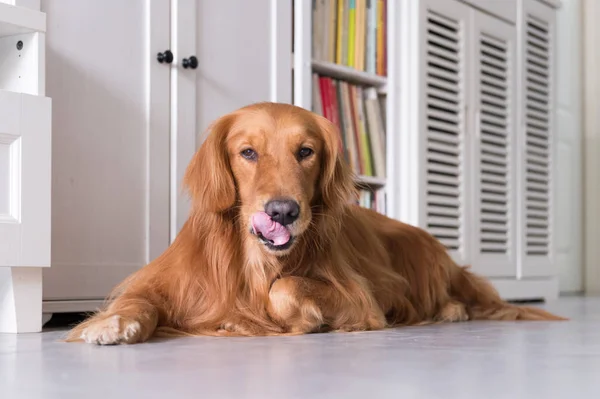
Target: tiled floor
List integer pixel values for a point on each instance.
(480, 360)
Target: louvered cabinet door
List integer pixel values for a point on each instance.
(493, 146)
(442, 124)
(536, 38)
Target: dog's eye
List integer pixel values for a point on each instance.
(305, 152)
(249, 154)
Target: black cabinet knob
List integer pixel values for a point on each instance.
(191, 62)
(166, 56)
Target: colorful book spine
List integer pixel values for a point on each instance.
(342, 122)
(317, 103)
(340, 32)
(352, 145)
(365, 144)
(385, 27)
(331, 25)
(351, 33)
(358, 34)
(371, 36)
(380, 36)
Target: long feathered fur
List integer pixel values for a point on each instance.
(215, 280)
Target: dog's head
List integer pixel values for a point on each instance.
(275, 165)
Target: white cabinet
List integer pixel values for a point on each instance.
(442, 94)
(110, 166)
(478, 137)
(240, 61)
(126, 125)
(537, 32)
(494, 150)
(25, 168)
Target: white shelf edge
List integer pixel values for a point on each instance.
(371, 181)
(16, 20)
(349, 74)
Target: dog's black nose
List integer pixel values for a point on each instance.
(283, 211)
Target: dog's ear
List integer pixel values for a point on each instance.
(208, 177)
(337, 181)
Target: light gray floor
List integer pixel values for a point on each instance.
(480, 360)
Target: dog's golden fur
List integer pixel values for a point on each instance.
(349, 268)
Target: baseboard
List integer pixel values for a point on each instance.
(527, 289)
(509, 289)
(76, 306)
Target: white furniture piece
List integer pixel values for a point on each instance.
(470, 130)
(110, 164)
(25, 166)
(126, 125)
(479, 130)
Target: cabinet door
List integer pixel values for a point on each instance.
(537, 67)
(246, 64)
(443, 75)
(110, 171)
(25, 151)
(493, 146)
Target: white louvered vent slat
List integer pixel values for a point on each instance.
(444, 105)
(537, 141)
(494, 162)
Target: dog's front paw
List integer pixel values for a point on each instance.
(112, 330)
(290, 308)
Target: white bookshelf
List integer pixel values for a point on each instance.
(305, 65)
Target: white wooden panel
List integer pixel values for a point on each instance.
(494, 162)
(21, 304)
(10, 177)
(110, 141)
(183, 106)
(33, 4)
(537, 86)
(15, 20)
(22, 61)
(568, 165)
(591, 145)
(25, 151)
(506, 9)
(36, 168)
(158, 88)
(280, 43)
(303, 53)
(443, 140)
(527, 289)
(238, 68)
(391, 197)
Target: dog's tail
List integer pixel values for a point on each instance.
(484, 303)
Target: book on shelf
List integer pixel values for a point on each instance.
(351, 33)
(359, 117)
(374, 200)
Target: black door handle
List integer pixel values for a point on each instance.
(166, 56)
(191, 62)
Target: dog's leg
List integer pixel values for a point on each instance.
(127, 320)
(452, 311)
(304, 305)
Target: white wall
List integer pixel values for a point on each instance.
(569, 146)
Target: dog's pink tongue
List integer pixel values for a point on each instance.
(272, 231)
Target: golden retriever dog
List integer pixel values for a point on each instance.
(274, 245)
